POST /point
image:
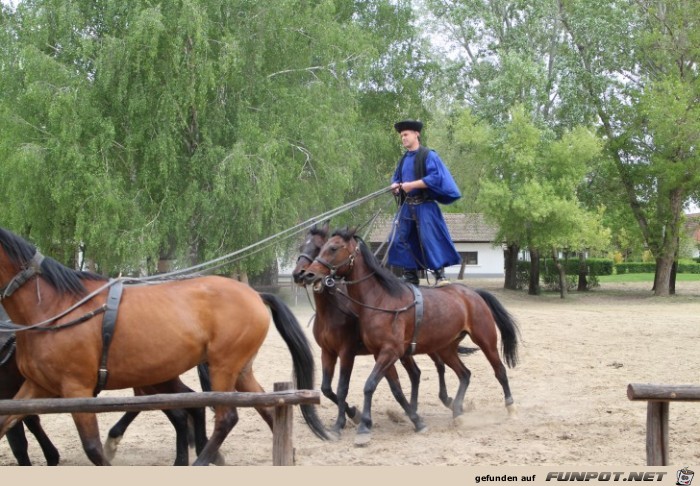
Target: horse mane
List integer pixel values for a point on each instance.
(62, 278)
(387, 280)
(316, 231)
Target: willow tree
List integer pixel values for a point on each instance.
(184, 130)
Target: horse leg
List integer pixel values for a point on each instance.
(51, 454)
(382, 362)
(328, 361)
(489, 347)
(223, 377)
(502, 377)
(395, 385)
(440, 367)
(179, 419)
(226, 419)
(18, 444)
(347, 363)
(451, 359)
(116, 433)
(414, 376)
(89, 433)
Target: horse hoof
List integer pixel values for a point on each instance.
(448, 403)
(334, 435)
(421, 429)
(512, 412)
(362, 440)
(110, 447)
(219, 460)
(354, 416)
(458, 421)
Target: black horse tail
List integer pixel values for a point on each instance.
(506, 325)
(204, 378)
(289, 328)
(465, 350)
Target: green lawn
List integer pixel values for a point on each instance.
(646, 277)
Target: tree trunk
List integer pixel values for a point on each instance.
(672, 280)
(510, 255)
(534, 284)
(663, 275)
(561, 270)
(582, 272)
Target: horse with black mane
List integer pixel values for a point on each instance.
(337, 332)
(390, 329)
(161, 331)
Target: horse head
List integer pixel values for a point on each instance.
(335, 259)
(309, 249)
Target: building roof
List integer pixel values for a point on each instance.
(464, 228)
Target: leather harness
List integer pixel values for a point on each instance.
(418, 297)
(109, 321)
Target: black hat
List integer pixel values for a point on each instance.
(414, 125)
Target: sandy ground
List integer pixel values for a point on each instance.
(577, 357)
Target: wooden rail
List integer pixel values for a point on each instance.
(283, 398)
(658, 398)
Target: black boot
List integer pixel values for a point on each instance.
(440, 279)
(410, 276)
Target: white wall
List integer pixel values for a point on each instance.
(490, 259)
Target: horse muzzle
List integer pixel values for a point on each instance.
(317, 282)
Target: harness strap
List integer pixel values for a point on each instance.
(109, 321)
(418, 295)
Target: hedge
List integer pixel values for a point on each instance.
(684, 266)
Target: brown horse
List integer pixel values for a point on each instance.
(161, 332)
(337, 332)
(388, 325)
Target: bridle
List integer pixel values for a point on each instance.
(29, 270)
(333, 269)
(32, 269)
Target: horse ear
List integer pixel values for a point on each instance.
(326, 226)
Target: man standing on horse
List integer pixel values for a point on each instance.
(420, 239)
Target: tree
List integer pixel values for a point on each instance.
(530, 191)
(637, 62)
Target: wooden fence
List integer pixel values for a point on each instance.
(658, 398)
(282, 398)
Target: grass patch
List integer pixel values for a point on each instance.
(646, 277)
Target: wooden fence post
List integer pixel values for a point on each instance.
(658, 398)
(282, 449)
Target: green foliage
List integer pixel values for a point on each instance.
(684, 266)
(188, 130)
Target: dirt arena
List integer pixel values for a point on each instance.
(577, 357)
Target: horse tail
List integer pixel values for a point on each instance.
(506, 325)
(465, 351)
(204, 378)
(292, 333)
